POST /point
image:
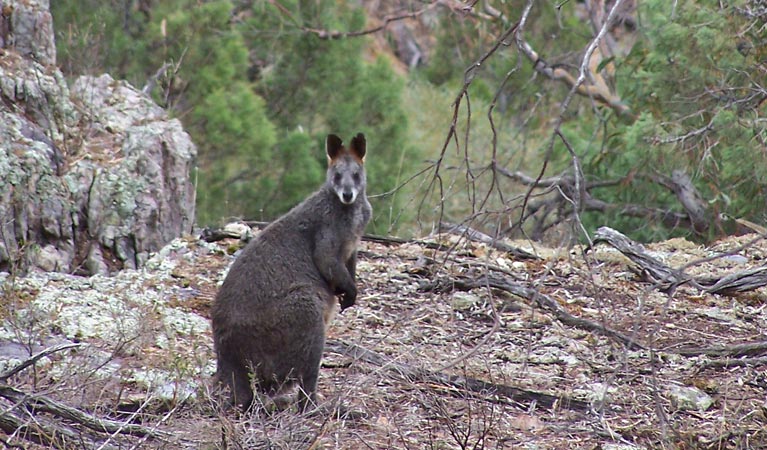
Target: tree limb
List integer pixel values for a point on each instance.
(681, 185)
(733, 362)
(589, 82)
(48, 351)
(478, 236)
(543, 301)
(329, 35)
(566, 184)
(40, 432)
(41, 403)
(668, 279)
(733, 351)
(546, 400)
(598, 92)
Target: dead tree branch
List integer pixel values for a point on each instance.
(598, 92)
(32, 360)
(733, 362)
(478, 236)
(565, 186)
(691, 200)
(589, 83)
(39, 431)
(484, 388)
(744, 281)
(668, 279)
(541, 300)
(733, 351)
(40, 403)
(329, 35)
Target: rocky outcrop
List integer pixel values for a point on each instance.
(92, 178)
(27, 28)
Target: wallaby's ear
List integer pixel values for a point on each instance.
(358, 146)
(333, 146)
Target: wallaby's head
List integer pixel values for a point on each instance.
(346, 167)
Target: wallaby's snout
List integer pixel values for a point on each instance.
(346, 178)
(346, 171)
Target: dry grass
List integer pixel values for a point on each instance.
(390, 396)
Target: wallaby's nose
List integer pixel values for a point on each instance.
(348, 197)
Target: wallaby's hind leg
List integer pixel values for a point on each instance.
(306, 308)
(236, 376)
(307, 392)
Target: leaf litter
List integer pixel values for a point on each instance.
(452, 344)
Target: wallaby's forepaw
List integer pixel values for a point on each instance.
(348, 298)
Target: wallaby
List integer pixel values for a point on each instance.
(273, 309)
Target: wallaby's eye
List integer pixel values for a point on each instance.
(337, 178)
(356, 177)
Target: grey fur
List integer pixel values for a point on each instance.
(270, 315)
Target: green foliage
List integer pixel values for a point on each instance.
(302, 171)
(259, 90)
(695, 89)
(237, 138)
(88, 45)
(326, 86)
(240, 79)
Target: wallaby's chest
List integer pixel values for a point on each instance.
(361, 217)
(354, 222)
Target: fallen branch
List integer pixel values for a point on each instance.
(751, 349)
(387, 240)
(34, 358)
(648, 267)
(478, 236)
(667, 279)
(39, 432)
(733, 362)
(543, 301)
(548, 401)
(215, 235)
(744, 281)
(41, 403)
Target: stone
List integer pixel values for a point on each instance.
(689, 398)
(27, 29)
(92, 179)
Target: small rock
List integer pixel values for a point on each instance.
(241, 229)
(689, 398)
(463, 301)
(50, 259)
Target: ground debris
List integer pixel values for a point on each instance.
(454, 343)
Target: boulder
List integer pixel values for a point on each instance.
(92, 178)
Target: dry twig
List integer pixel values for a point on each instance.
(34, 358)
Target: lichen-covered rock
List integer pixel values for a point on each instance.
(26, 27)
(136, 327)
(92, 179)
(688, 398)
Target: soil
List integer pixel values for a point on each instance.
(452, 344)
